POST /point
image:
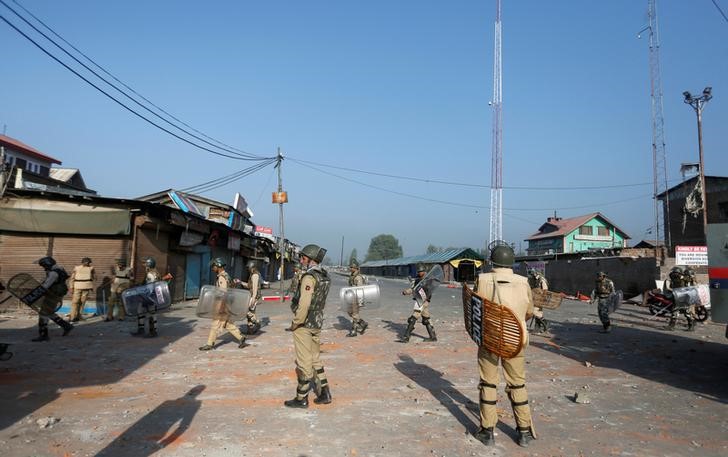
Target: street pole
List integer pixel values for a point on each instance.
(281, 199)
(341, 259)
(2, 171)
(698, 103)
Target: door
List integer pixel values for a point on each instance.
(193, 276)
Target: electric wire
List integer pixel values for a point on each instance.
(229, 179)
(124, 84)
(720, 10)
(237, 156)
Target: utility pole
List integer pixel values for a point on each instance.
(341, 260)
(698, 103)
(496, 171)
(280, 197)
(2, 171)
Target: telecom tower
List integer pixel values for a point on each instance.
(659, 161)
(496, 173)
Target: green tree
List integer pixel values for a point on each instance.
(431, 249)
(383, 247)
(352, 256)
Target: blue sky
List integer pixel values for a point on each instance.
(397, 87)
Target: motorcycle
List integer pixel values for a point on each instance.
(662, 304)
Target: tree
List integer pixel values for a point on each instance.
(431, 249)
(383, 247)
(352, 256)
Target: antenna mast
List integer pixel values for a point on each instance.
(496, 176)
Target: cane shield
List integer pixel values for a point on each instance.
(147, 298)
(222, 304)
(492, 325)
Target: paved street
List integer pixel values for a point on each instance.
(650, 392)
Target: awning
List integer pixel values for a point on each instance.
(456, 262)
(50, 216)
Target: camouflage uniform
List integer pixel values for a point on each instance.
(423, 311)
(152, 275)
(679, 279)
(308, 309)
(55, 284)
(603, 288)
(122, 280)
(357, 323)
(537, 281)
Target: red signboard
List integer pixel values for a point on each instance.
(264, 230)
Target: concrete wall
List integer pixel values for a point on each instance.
(632, 276)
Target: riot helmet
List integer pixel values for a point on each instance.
(149, 262)
(501, 254)
(251, 265)
(601, 274)
(354, 264)
(47, 262)
(217, 262)
(676, 270)
(314, 252)
(121, 262)
(421, 268)
(688, 271)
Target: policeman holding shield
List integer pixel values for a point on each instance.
(537, 281)
(56, 288)
(420, 310)
(308, 315)
(356, 279)
(253, 285)
(152, 275)
(222, 322)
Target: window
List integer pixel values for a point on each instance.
(602, 231)
(585, 230)
(723, 212)
(20, 163)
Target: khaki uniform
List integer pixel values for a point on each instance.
(357, 323)
(424, 310)
(121, 282)
(511, 290)
(223, 282)
(253, 285)
(308, 309)
(82, 282)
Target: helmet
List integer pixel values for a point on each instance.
(150, 262)
(46, 262)
(217, 262)
(676, 269)
(86, 260)
(354, 263)
(314, 252)
(421, 267)
(121, 262)
(601, 274)
(251, 264)
(502, 255)
(689, 271)
(532, 272)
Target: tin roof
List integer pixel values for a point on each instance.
(432, 258)
(24, 148)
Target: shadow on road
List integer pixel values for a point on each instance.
(460, 406)
(161, 427)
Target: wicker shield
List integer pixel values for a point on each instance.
(546, 300)
(491, 325)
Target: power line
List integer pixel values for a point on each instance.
(124, 84)
(237, 156)
(228, 179)
(720, 10)
(464, 184)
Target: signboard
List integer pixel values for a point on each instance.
(264, 232)
(691, 255)
(240, 204)
(184, 203)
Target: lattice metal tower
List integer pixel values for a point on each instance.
(659, 161)
(496, 173)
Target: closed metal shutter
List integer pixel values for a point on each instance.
(18, 254)
(151, 243)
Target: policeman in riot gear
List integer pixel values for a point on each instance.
(222, 282)
(308, 315)
(151, 275)
(254, 286)
(418, 312)
(508, 289)
(690, 277)
(55, 285)
(680, 277)
(123, 276)
(676, 278)
(538, 281)
(356, 279)
(603, 288)
(82, 283)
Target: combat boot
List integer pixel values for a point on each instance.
(606, 328)
(207, 347)
(253, 328)
(42, 334)
(296, 403)
(541, 325)
(152, 329)
(430, 330)
(410, 327)
(324, 398)
(525, 436)
(671, 325)
(485, 436)
(363, 326)
(242, 344)
(352, 331)
(691, 325)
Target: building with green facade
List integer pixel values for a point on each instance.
(577, 234)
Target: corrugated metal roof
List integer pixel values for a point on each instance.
(433, 258)
(63, 174)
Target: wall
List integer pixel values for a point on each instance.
(631, 275)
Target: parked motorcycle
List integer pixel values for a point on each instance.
(662, 303)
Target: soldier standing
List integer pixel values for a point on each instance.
(423, 311)
(151, 275)
(603, 288)
(82, 282)
(253, 285)
(222, 323)
(55, 285)
(679, 278)
(538, 281)
(355, 280)
(122, 281)
(506, 288)
(308, 315)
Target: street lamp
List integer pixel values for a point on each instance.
(698, 102)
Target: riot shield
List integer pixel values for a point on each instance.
(367, 296)
(615, 301)
(222, 304)
(492, 325)
(28, 290)
(429, 282)
(148, 298)
(692, 295)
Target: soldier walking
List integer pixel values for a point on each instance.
(506, 288)
(222, 322)
(308, 315)
(538, 281)
(422, 311)
(151, 275)
(253, 285)
(603, 288)
(123, 275)
(82, 282)
(56, 288)
(355, 280)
